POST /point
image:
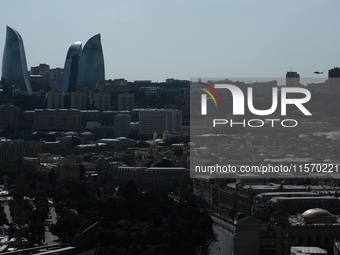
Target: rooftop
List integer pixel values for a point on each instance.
(317, 212)
(301, 250)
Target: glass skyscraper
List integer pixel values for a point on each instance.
(14, 66)
(91, 64)
(70, 74)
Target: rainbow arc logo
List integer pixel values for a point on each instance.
(211, 95)
(204, 97)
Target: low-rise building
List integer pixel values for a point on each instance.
(295, 205)
(161, 178)
(10, 151)
(125, 102)
(9, 116)
(159, 120)
(123, 174)
(269, 232)
(91, 115)
(64, 140)
(92, 125)
(70, 170)
(55, 99)
(102, 101)
(79, 100)
(57, 119)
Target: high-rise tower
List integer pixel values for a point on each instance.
(70, 74)
(14, 66)
(334, 80)
(292, 79)
(91, 65)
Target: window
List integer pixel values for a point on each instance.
(285, 234)
(326, 240)
(309, 240)
(285, 227)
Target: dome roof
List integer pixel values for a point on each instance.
(317, 212)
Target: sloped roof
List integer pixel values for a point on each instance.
(251, 220)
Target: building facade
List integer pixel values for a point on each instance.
(91, 65)
(14, 66)
(126, 101)
(182, 102)
(228, 199)
(40, 76)
(57, 119)
(267, 232)
(123, 174)
(159, 120)
(79, 100)
(295, 205)
(264, 234)
(91, 115)
(70, 75)
(56, 75)
(292, 79)
(92, 125)
(9, 116)
(334, 80)
(55, 99)
(70, 170)
(121, 124)
(10, 151)
(161, 178)
(102, 101)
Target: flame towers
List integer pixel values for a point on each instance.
(14, 67)
(84, 69)
(70, 74)
(91, 64)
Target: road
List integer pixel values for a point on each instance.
(54, 215)
(222, 238)
(7, 212)
(49, 238)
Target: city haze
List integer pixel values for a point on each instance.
(153, 40)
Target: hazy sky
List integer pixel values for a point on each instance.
(182, 39)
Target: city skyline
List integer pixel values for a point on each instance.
(182, 40)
